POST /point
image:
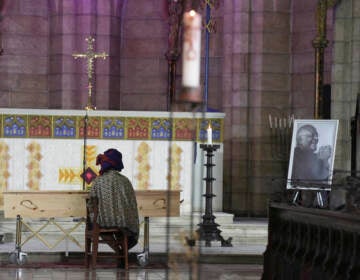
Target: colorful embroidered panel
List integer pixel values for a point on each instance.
(103, 127)
(40, 126)
(14, 125)
(92, 125)
(161, 129)
(138, 128)
(113, 127)
(64, 127)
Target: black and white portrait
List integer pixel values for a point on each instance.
(312, 154)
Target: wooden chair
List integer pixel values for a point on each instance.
(93, 233)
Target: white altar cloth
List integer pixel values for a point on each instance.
(44, 150)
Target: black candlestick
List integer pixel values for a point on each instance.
(208, 230)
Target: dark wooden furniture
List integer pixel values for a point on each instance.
(309, 243)
(92, 238)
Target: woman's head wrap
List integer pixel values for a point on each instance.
(111, 159)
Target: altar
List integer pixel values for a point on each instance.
(55, 150)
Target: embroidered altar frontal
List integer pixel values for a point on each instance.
(48, 150)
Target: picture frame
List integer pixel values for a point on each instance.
(312, 154)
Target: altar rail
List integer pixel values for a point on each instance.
(308, 243)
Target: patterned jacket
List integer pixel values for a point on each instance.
(117, 201)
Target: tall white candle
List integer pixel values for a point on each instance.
(209, 135)
(191, 49)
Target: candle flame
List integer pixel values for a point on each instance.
(192, 13)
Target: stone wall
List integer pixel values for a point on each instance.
(70, 23)
(24, 62)
(38, 70)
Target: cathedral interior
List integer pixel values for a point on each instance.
(77, 76)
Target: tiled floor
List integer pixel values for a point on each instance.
(242, 261)
(204, 271)
(246, 265)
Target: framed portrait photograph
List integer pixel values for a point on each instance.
(312, 154)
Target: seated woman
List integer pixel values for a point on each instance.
(116, 198)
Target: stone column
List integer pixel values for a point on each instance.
(256, 78)
(345, 76)
(235, 91)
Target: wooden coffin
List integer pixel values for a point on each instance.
(53, 204)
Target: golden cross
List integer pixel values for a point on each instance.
(90, 55)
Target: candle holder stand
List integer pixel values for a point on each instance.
(208, 229)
